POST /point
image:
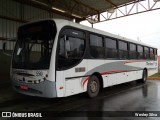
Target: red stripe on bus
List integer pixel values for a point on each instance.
(113, 71)
(85, 81)
(103, 73)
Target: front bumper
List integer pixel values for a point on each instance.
(43, 89)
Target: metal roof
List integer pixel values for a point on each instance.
(84, 8)
(77, 9)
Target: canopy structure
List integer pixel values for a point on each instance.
(94, 10)
(16, 12)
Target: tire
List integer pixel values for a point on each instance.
(144, 76)
(93, 86)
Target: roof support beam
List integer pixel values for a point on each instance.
(2, 38)
(136, 7)
(47, 8)
(13, 19)
(91, 8)
(111, 3)
(87, 6)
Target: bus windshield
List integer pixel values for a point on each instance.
(34, 46)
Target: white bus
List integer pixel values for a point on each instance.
(58, 58)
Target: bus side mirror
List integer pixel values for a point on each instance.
(67, 46)
(4, 46)
(4, 50)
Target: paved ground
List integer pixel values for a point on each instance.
(113, 103)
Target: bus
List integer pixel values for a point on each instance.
(59, 58)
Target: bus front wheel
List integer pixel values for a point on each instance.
(93, 86)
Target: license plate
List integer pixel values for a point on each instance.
(24, 87)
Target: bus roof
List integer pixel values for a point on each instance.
(62, 22)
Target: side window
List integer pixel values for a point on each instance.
(111, 48)
(70, 49)
(146, 53)
(152, 53)
(62, 47)
(76, 48)
(155, 51)
(155, 54)
(133, 51)
(123, 50)
(140, 52)
(96, 46)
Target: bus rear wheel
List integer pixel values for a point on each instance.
(144, 76)
(93, 86)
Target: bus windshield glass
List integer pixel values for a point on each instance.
(34, 46)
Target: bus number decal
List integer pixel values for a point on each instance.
(80, 69)
(39, 73)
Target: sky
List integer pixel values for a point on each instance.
(143, 26)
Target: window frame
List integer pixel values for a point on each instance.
(127, 50)
(105, 47)
(146, 53)
(58, 42)
(101, 47)
(138, 52)
(151, 54)
(133, 51)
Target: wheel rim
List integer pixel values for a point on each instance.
(93, 86)
(145, 76)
